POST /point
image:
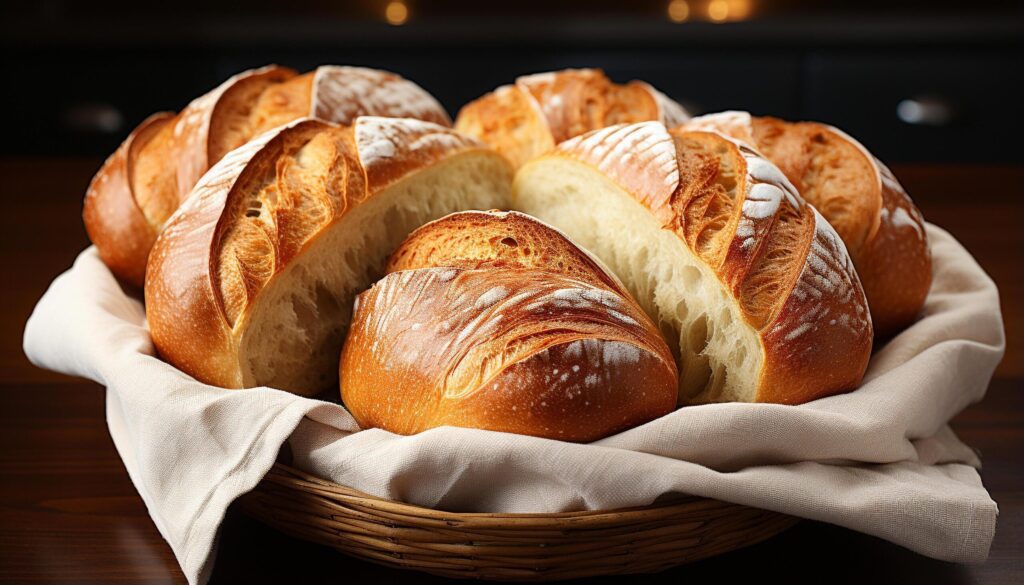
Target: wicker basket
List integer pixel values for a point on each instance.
(506, 547)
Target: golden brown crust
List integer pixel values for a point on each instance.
(492, 239)
(389, 151)
(825, 167)
(896, 263)
(168, 164)
(254, 212)
(544, 344)
(882, 228)
(575, 101)
(163, 171)
(541, 110)
(782, 263)
(342, 94)
(114, 221)
(279, 104)
(222, 120)
(278, 204)
(510, 121)
(185, 309)
(819, 341)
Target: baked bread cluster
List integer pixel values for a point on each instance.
(159, 164)
(308, 231)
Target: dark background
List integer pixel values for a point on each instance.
(80, 75)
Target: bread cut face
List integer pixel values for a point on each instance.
(494, 320)
(880, 225)
(161, 163)
(753, 290)
(538, 111)
(252, 283)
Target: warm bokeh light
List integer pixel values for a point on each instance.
(729, 10)
(718, 10)
(396, 13)
(740, 9)
(678, 10)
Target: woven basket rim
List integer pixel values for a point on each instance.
(288, 476)
(506, 546)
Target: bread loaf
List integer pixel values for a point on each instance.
(882, 228)
(752, 288)
(148, 177)
(496, 321)
(252, 281)
(530, 117)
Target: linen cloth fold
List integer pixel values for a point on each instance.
(881, 460)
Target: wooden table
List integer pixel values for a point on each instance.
(68, 513)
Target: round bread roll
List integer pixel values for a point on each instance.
(252, 281)
(530, 117)
(882, 228)
(493, 320)
(146, 179)
(752, 288)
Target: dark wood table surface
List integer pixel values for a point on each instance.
(69, 514)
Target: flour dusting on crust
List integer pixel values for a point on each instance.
(390, 147)
(640, 156)
(828, 274)
(341, 94)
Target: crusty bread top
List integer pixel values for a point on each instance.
(575, 101)
(253, 102)
(783, 263)
(282, 199)
(165, 163)
(481, 239)
(113, 218)
(522, 256)
(174, 159)
(835, 174)
(832, 170)
(526, 119)
(255, 211)
(513, 350)
(342, 94)
(880, 225)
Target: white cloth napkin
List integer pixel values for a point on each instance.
(880, 460)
